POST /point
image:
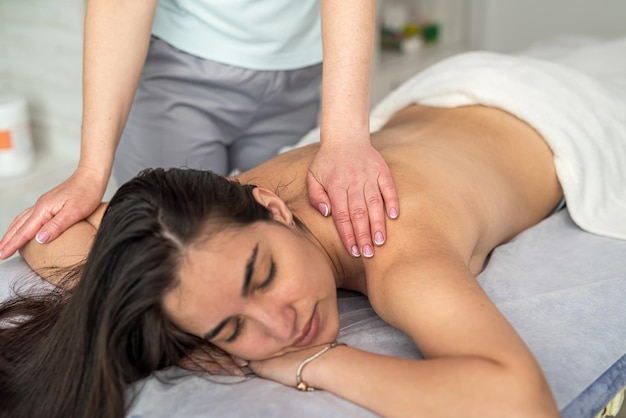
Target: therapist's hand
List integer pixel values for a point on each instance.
(55, 211)
(352, 182)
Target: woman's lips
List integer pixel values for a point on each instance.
(309, 332)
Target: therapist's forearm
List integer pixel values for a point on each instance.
(117, 35)
(348, 39)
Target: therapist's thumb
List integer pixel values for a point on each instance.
(56, 226)
(318, 198)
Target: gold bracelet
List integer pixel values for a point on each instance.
(301, 384)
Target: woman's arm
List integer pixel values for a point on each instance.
(472, 354)
(71, 247)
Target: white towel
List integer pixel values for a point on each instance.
(576, 101)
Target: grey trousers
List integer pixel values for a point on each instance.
(190, 112)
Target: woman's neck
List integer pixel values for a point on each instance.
(321, 232)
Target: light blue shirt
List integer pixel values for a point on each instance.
(251, 34)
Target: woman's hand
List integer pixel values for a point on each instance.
(54, 212)
(283, 369)
(352, 182)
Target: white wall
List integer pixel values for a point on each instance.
(509, 25)
(41, 59)
(4, 70)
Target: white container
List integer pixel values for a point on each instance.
(16, 144)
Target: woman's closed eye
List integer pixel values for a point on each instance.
(236, 332)
(264, 285)
(270, 276)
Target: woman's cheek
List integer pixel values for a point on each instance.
(256, 349)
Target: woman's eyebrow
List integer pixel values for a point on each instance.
(247, 279)
(249, 270)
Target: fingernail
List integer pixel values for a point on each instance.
(368, 251)
(0, 254)
(323, 208)
(42, 237)
(393, 213)
(379, 238)
(355, 251)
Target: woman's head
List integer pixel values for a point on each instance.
(210, 259)
(256, 291)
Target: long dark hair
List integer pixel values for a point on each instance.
(72, 352)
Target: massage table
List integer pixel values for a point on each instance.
(563, 289)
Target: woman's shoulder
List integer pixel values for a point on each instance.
(288, 168)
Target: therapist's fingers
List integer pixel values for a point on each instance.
(348, 208)
(317, 195)
(321, 199)
(360, 201)
(390, 195)
(377, 195)
(376, 212)
(58, 222)
(19, 232)
(15, 225)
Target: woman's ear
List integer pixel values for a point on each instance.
(277, 206)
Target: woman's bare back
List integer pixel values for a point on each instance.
(486, 173)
